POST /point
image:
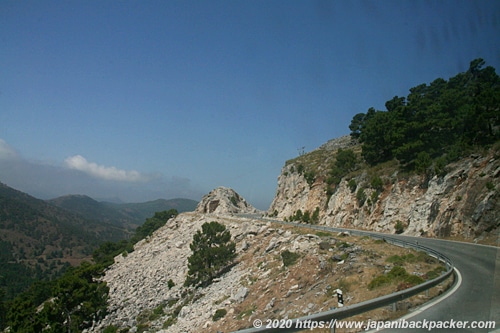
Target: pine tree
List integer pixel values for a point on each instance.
(213, 251)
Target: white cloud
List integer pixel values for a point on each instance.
(79, 162)
(6, 152)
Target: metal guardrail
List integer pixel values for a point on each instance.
(355, 309)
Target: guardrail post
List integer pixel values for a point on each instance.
(340, 298)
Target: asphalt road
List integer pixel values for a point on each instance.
(478, 296)
(476, 299)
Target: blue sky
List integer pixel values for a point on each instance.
(141, 100)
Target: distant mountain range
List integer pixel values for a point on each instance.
(128, 215)
(39, 239)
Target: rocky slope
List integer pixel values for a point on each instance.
(462, 203)
(147, 293)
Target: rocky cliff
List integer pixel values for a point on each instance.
(462, 201)
(223, 200)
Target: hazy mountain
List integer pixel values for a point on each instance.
(128, 215)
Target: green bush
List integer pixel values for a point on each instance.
(440, 166)
(435, 272)
(300, 169)
(361, 197)
(377, 184)
(374, 197)
(170, 284)
(400, 227)
(310, 177)
(110, 329)
(399, 260)
(315, 216)
(169, 322)
(220, 313)
(397, 272)
(352, 185)
(413, 280)
(379, 281)
(289, 258)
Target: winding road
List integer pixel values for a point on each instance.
(476, 296)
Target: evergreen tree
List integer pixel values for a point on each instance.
(438, 119)
(213, 251)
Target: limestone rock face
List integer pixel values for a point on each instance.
(223, 200)
(464, 202)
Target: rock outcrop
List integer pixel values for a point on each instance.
(223, 200)
(463, 202)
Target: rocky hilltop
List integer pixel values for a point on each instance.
(461, 202)
(223, 200)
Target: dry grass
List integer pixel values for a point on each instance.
(308, 286)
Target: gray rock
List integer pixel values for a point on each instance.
(240, 295)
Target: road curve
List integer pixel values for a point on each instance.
(477, 299)
(478, 296)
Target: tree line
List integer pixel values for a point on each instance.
(441, 120)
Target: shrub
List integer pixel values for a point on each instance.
(397, 272)
(413, 280)
(289, 258)
(422, 162)
(169, 322)
(170, 284)
(352, 185)
(377, 184)
(220, 313)
(379, 281)
(300, 169)
(440, 166)
(399, 260)
(435, 272)
(361, 197)
(110, 329)
(400, 227)
(315, 216)
(310, 177)
(306, 217)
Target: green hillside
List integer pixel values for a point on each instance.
(39, 240)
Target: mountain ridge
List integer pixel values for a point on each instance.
(41, 240)
(127, 215)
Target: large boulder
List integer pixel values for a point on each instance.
(223, 200)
